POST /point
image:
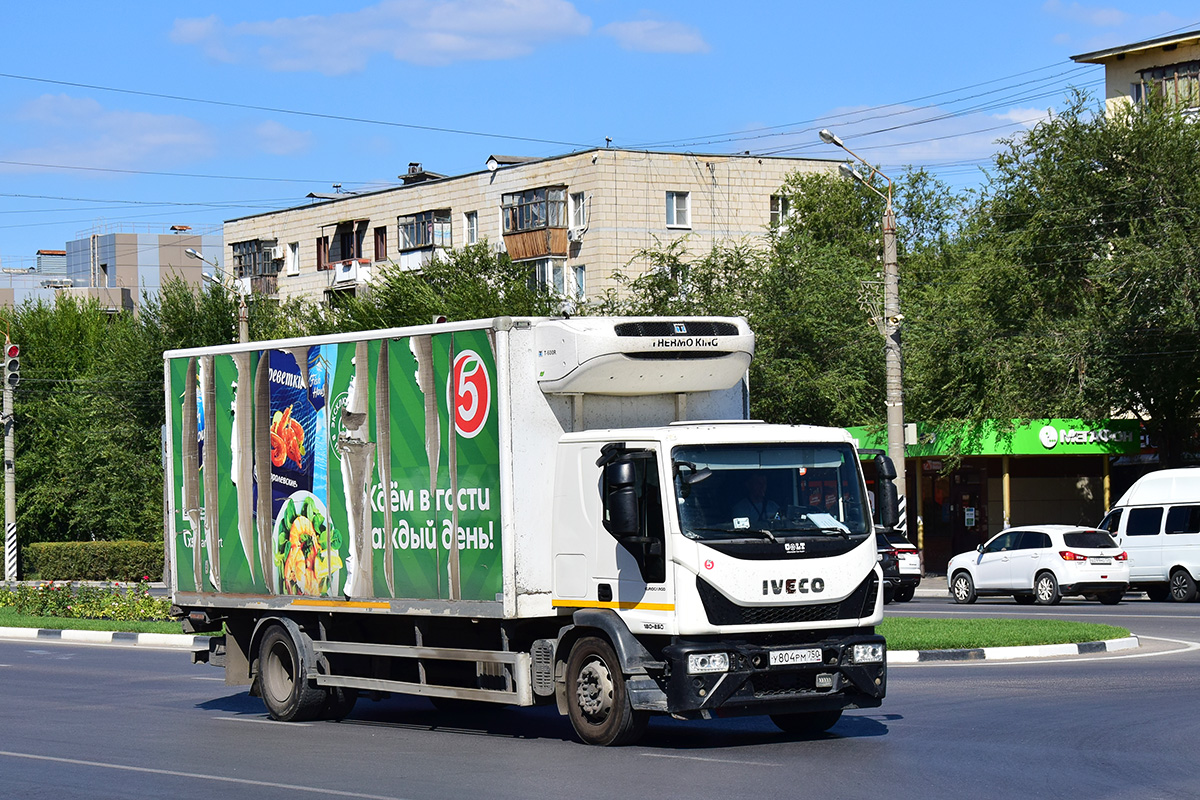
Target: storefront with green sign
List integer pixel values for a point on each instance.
(967, 483)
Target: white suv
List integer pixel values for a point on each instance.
(1041, 563)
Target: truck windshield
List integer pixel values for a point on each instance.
(769, 491)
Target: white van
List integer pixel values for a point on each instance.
(1158, 523)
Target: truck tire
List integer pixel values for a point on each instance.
(597, 699)
(1183, 588)
(339, 702)
(288, 695)
(807, 724)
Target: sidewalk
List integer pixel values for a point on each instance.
(933, 586)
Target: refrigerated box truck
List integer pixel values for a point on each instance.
(520, 511)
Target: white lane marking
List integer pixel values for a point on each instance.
(1187, 648)
(1057, 612)
(265, 721)
(176, 774)
(204, 678)
(713, 760)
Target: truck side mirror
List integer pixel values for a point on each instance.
(889, 502)
(620, 478)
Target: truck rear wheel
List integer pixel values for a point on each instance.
(286, 691)
(807, 724)
(597, 699)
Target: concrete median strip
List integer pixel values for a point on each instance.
(158, 641)
(1011, 653)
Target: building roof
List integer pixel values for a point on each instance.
(516, 162)
(1165, 42)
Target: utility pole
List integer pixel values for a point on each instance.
(889, 326)
(12, 376)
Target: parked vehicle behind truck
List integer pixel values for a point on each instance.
(520, 511)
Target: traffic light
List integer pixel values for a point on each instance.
(12, 364)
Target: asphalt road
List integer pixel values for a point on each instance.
(109, 722)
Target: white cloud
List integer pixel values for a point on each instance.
(72, 130)
(276, 139)
(415, 31)
(657, 36)
(923, 136)
(207, 32)
(1025, 117)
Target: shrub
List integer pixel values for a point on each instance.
(132, 602)
(93, 561)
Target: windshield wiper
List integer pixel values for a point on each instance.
(737, 532)
(830, 529)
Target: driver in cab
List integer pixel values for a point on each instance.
(756, 506)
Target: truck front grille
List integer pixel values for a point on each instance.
(778, 684)
(723, 611)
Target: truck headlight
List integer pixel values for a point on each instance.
(707, 662)
(868, 653)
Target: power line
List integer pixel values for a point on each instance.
(292, 112)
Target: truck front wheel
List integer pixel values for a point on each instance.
(597, 700)
(282, 678)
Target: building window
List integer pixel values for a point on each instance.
(381, 243)
(548, 274)
(348, 241)
(679, 207)
(322, 253)
(255, 257)
(535, 209)
(427, 229)
(579, 210)
(1177, 85)
(779, 210)
(471, 223)
(292, 264)
(580, 286)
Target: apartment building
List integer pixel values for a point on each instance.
(573, 219)
(1168, 67)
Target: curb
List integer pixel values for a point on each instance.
(158, 641)
(1011, 653)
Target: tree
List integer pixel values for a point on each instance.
(467, 283)
(1083, 284)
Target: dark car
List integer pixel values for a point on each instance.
(889, 562)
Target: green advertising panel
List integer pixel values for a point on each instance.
(1028, 438)
(355, 470)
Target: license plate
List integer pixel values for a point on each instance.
(807, 656)
(1100, 560)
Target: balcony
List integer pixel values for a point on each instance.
(351, 270)
(264, 284)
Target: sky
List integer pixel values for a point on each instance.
(135, 116)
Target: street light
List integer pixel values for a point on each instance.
(891, 313)
(243, 312)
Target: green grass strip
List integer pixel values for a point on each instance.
(9, 618)
(912, 633)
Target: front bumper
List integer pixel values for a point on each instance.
(753, 686)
